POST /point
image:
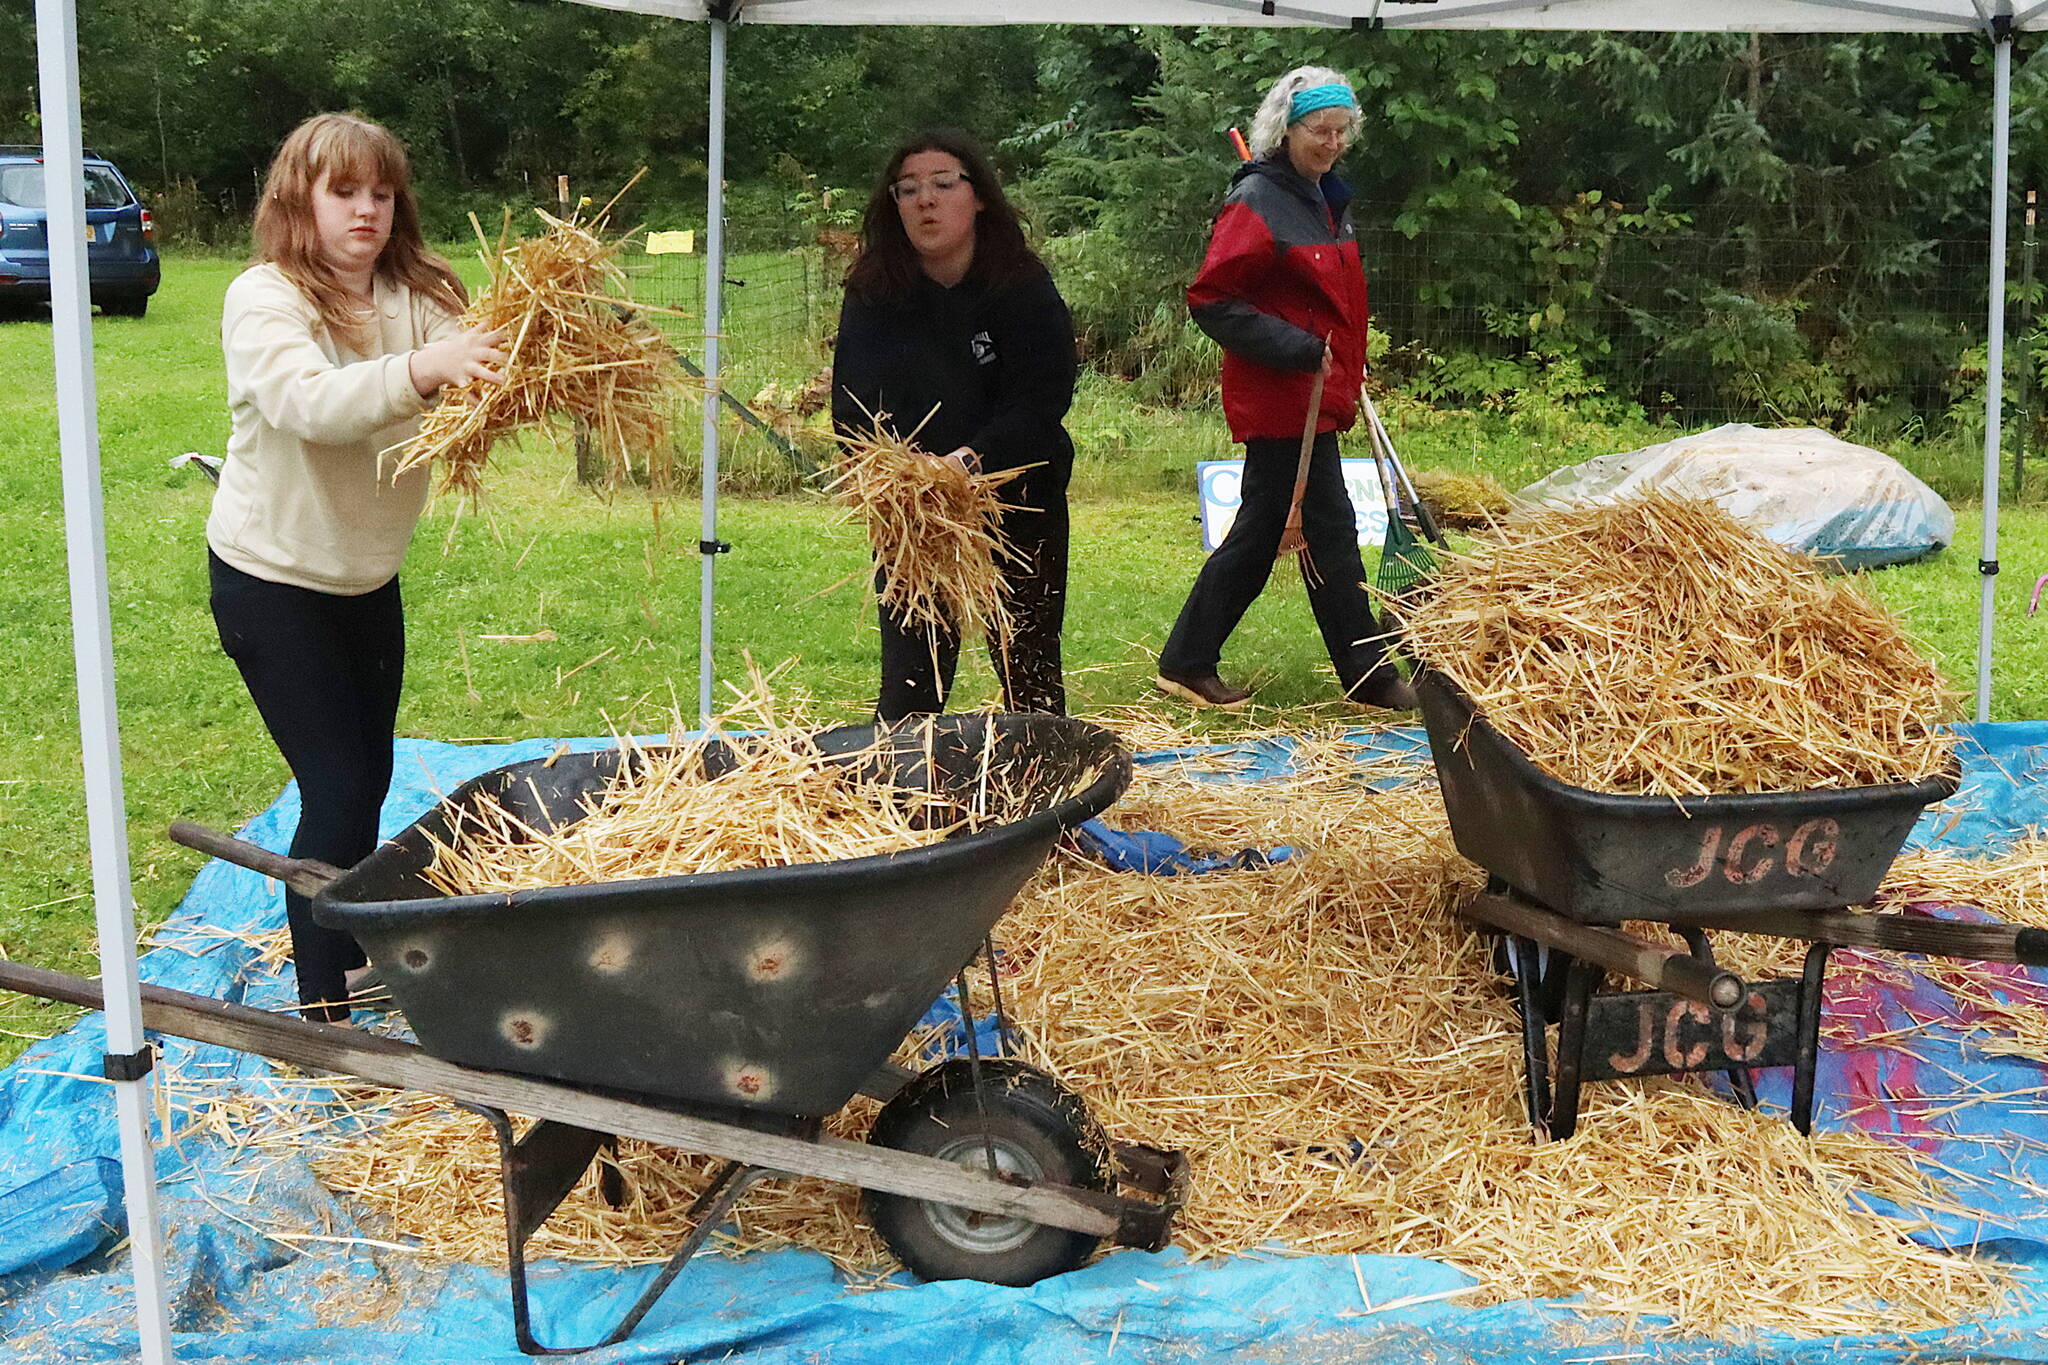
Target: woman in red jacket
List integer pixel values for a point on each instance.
(1283, 292)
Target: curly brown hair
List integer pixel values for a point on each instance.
(350, 149)
(887, 266)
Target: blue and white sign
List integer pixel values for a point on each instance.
(1220, 480)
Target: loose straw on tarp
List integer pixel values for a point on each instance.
(1332, 1048)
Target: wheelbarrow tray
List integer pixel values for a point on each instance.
(776, 990)
(1603, 858)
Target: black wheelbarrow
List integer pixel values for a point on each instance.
(759, 1001)
(1566, 864)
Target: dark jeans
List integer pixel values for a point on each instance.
(324, 671)
(1235, 574)
(918, 662)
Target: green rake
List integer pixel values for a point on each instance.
(1405, 559)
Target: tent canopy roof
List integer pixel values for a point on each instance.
(1727, 16)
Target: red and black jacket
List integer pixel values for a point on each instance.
(1282, 274)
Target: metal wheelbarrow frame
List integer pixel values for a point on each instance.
(1568, 865)
(988, 1169)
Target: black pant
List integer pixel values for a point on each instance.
(918, 661)
(324, 671)
(1235, 574)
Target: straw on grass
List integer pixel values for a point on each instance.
(936, 529)
(578, 350)
(1659, 647)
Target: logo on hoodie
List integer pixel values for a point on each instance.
(984, 347)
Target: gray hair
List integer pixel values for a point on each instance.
(1269, 124)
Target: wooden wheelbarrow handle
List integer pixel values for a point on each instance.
(307, 876)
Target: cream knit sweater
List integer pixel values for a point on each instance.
(304, 497)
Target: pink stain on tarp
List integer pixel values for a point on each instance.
(1870, 999)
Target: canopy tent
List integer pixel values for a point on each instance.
(127, 1059)
(1711, 16)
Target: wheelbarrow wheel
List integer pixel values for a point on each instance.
(1039, 1130)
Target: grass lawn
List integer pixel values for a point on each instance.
(620, 592)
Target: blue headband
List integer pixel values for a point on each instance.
(1316, 97)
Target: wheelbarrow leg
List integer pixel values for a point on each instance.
(1581, 980)
(707, 1212)
(1812, 979)
(539, 1171)
(1535, 1046)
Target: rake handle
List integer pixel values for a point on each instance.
(1292, 540)
(307, 876)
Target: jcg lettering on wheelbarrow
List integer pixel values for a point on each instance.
(1656, 1033)
(1754, 852)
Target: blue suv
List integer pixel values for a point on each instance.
(121, 238)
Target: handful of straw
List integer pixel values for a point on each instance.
(935, 528)
(578, 348)
(1658, 647)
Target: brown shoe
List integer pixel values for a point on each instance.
(1206, 690)
(1387, 690)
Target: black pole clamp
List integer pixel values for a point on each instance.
(128, 1066)
(2001, 28)
(713, 547)
(1988, 567)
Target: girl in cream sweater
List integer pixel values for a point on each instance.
(337, 339)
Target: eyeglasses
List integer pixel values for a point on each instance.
(1338, 132)
(939, 182)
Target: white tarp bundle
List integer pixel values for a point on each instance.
(1802, 487)
(1711, 16)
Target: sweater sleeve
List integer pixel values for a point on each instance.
(273, 358)
(1240, 250)
(1035, 348)
(855, 389)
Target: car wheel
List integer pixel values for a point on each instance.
(126, 305)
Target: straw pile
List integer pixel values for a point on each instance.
(1658, 647)
(578, 348)
(936, 532)
(1325, 1040)
(2005, 1007)
(1328, 1044)
(666, 815)
(685, 809)
(1462, 500)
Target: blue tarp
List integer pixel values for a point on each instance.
(249, 1285)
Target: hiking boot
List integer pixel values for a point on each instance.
(1203, 690)
(1387, 690)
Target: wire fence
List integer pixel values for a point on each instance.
(1688, 330)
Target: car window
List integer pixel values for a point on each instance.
(23, 185)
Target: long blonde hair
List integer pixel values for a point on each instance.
(1269, 124)
(348, 149)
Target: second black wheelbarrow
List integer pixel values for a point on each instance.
(1569, 867)
(760, 1001)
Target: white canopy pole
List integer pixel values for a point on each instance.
(127, 1056)
(708, 544)
(1994, 364)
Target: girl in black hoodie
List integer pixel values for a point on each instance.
(952, 321)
